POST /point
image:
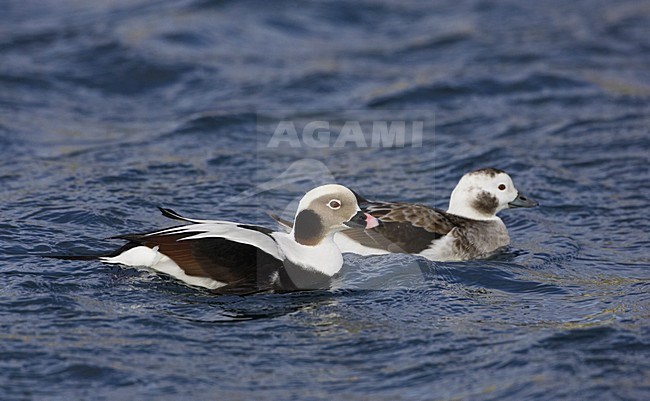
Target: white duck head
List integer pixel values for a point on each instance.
(481, 194)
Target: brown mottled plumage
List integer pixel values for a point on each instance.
(470, 228)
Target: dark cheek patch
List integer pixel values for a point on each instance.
(486, 203)
(309, 228)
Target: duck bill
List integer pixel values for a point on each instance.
(362, 220)
(523, 201)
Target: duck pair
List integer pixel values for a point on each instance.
(331, 219)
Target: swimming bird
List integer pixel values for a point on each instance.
(469, 229)
(230, 257)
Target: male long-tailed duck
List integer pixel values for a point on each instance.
(240, 258)
(469, 229)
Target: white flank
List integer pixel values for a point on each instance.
(441, 250)
(347, 245)
(145, 257)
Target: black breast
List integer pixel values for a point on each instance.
(293, 277)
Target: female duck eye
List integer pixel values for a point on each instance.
(502, 187)
(334, 204)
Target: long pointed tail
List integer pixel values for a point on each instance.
(124, 248)
(73, 257)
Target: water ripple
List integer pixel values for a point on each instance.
(109, 109)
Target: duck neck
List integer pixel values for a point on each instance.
(469, 212)
(324, 256)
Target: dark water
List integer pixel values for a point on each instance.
(108, 109)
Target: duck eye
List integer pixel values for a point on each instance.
(502, 187)
(334, 204)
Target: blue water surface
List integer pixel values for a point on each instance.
(111, 108)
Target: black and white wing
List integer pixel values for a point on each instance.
(241, 257)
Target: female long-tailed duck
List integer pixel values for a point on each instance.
(240, 258)
(469, 229)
